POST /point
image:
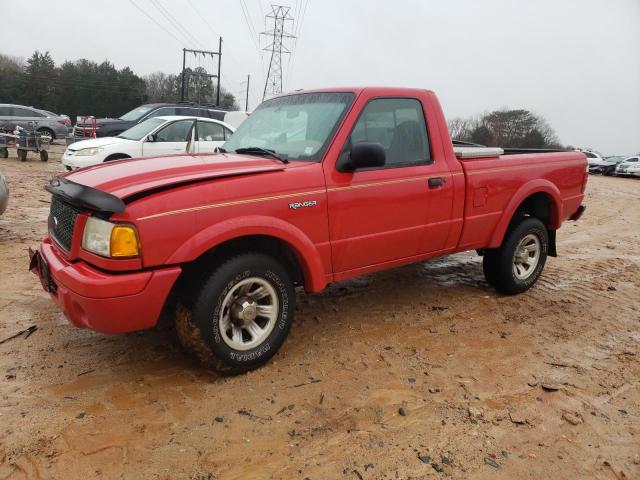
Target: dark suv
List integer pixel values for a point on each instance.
(110, 127)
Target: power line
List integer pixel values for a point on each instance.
(203, 18)
(175, 23)
(247, 20)
(155, 21)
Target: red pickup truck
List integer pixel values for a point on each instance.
(315, 187)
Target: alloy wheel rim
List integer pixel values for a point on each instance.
(249, 313)
(526, 256)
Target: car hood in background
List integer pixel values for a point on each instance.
(129, 177)
(97, 143)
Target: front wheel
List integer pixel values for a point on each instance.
(517, 264)
(241, 316)
(22, 155)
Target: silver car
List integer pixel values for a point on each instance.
(4, 194)
(56, 126)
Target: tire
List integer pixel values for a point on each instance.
(49, 132)
(22, 155)
(44, 156)
(517, 264)
(4, 153)
(220, 326)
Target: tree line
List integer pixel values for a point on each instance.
(505, 128)
(84, 87)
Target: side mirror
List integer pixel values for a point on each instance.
(152, 138)
(362, 155)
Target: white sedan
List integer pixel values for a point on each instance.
(155, 136)
(630, 167)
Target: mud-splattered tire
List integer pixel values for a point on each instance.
(22, 155)
(241, 316)
(517, 264)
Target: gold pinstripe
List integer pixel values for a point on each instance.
(517, 167)
(288, 195)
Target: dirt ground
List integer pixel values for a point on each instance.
(419, 372)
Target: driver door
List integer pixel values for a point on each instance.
(169, 139)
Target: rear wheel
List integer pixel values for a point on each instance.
(517, 264)
(44, 156)
(22, 155)
(48, 132)
(4, 153)
(241, 316)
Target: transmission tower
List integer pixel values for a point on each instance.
(277, 37)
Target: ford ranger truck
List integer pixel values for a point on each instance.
(315, 187)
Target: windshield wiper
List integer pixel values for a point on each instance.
(262, 151)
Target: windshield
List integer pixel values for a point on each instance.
(135, 114)
(298, 127)
(140, 131)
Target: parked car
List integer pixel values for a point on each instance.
(110, 127)
(153, 137)
(236, 118)
(313, 188)
(630, 167)
(4, 194)
(55, 126)
(607, 166)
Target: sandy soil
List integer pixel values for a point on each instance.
(419, 372)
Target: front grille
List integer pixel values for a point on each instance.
(62, 221)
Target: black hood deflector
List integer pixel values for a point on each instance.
(84, 197)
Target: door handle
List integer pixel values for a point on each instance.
(436, 182)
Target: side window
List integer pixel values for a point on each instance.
(215, 114)
(175, 132)
(4, 112)
(590, 155)
(210, 132)
(397, 124)
(162, 112)
(22, 112)
(35, 113)
(227, 133)
(186, 111)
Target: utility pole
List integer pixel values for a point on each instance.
(219, 64)
(246, 101)
(280, 16)
(184, 57)
(218, 54)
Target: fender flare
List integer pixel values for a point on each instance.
(304, 249)
(532, 187)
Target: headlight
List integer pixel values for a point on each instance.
(86, 152)
(110, 239)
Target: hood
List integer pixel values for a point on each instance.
(97, 142)
(129, 177)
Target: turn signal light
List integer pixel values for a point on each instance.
(124, 242)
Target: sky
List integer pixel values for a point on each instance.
(575, 62)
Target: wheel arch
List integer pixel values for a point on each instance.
(116, 156)
(261, 234)
(538, 198)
